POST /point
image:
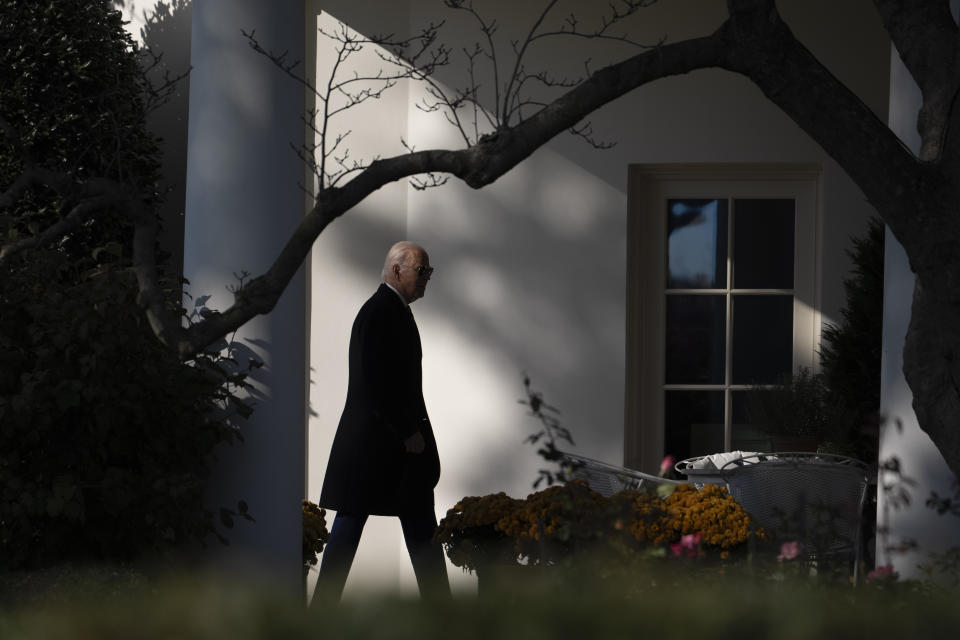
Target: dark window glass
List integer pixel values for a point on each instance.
(695, 342)
(694, 423)
(745, 433)
(763, 244)
(696, 244)
(762, 338)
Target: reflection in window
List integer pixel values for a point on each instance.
(696, 244)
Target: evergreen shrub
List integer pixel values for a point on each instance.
(105, 435)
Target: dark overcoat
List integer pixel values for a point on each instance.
(369, 470)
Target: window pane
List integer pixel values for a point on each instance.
(762, 338)
(695, 343)
(696, 244)
(763, 244)
(745, 434)
(693, 422)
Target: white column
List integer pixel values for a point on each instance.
(242, 202)
(900, 434)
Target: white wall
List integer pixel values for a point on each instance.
(901, 437)
(531, 271)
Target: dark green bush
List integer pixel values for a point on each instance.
(104, 434)
(851, 350)
(72, 99)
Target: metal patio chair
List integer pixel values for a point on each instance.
(607, 479)
(814, 498)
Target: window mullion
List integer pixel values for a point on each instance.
(728, 365)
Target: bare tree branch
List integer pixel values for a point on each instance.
(280, 61)
(158, 95)
(488, 29)
(508, 94)
(430, 182)
(478, 165)
(629, 7)
(585, 131)
(741, 45)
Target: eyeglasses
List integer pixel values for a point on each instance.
(420, 269)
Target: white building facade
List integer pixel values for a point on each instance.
(559, 270)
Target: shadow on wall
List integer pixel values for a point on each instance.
(531, 278)
(520, 295)
(164, 34)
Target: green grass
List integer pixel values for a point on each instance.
(105, 604)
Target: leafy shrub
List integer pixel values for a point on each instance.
(105, 435)
(72, 99)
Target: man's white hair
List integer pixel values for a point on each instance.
(398, 254)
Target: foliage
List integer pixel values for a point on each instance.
(944, 565)
(899, 489)
(106, 434)
(547, 436)
(315, 534)
(798, 405)
(839, 406)
(469, 531)
(561, 522)
(60, 584)
(642, 604)
(709, 512)
(850, 351)
(72, 99)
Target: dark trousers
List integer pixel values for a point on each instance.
(418, 529)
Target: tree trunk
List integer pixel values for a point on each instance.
(931, 358)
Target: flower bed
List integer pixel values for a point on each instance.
(565, 521)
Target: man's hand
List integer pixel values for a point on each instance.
(415, 443)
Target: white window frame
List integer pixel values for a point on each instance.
(649, 188)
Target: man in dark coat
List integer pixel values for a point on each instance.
(384, 457)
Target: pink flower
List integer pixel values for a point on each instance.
(882, 573)
(789, 551)
(666, 465)
(688, 546)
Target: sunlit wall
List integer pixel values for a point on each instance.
(531, 271)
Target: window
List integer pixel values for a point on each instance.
(721, 297)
